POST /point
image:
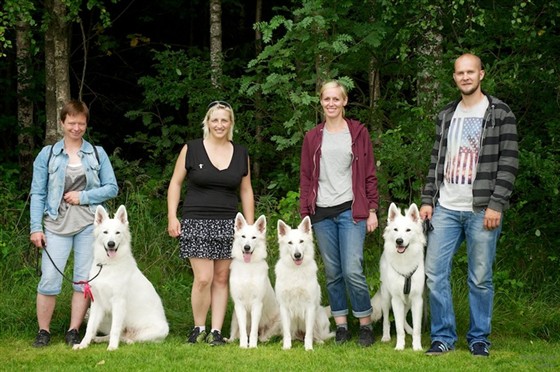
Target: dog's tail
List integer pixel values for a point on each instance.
(376, 305)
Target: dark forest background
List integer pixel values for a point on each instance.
(148, 69)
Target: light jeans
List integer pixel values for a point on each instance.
(341, 243)
(451, 228)
(59, 247)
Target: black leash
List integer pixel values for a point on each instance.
(85, 283)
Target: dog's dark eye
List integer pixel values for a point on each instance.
(407, 230)
(290, 242)
(118, 232)
(301, 241)
(104, 231)
(243, 236)
(254, 237)
(396, 229)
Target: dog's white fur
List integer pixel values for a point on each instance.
(125, 305)
(256, 308)
(403, 254)
(297, 287)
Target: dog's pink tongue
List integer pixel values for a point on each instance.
(298, 262)
(401, 248)
(111, 253)
(247, 257)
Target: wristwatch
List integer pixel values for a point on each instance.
(373, 210)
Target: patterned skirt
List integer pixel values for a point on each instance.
(212, 239)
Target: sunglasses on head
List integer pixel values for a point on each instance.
(221, 103)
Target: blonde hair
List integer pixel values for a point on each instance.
(218, 106)
(334, 84)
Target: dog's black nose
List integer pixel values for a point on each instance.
(399, 241)
(111, 244)
(297, 255)
(247, 248)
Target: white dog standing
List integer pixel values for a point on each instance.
(297, 289)
(256, 308)
(125, 305)
(402, 276)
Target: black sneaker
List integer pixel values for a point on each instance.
(72, 337)
(342, 335)
(196, 336)
(42, 339)
(479, 349)
(438, 348)
(366, 336)
(215, 338)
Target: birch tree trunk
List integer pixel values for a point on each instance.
(57, 77)
(24, 103)
(216, 58)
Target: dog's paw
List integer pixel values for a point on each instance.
(399, 346)
(385, 338)
(417, 346)
(112, 347)
(80, 346)
(287, 345)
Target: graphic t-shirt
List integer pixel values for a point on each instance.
(461, 159)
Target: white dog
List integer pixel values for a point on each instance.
(125, 305)
(256, 308)
(402, 276)
(297, 288)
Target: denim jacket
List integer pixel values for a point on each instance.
(47, 186)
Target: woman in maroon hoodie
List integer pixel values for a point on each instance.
(338, 191)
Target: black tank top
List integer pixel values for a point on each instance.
(212, 193)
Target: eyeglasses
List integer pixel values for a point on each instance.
(221, 103)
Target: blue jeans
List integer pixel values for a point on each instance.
(59, 247)
(451, 228)
(341, 242)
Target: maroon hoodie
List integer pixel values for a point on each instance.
(364, 180)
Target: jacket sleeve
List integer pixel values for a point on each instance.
(430, 188)
(39, 191)
(305, 170)
(508, 162)
(108, 187)
(372, 192)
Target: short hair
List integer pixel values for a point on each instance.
(73, 108)
(219, 105)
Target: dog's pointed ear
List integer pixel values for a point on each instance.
(394, 211)
(261, 223)
(100, 215)
(121, 215)
(305, 225)
(413, 213)
(282, 228)
(239, 221)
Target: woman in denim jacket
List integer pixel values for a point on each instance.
(70, 178)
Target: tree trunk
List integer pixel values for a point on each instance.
(216, 42)
(430, 55)
(57, 77)
(259, 109)
(24, 103)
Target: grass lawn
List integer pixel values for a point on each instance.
(508, 353)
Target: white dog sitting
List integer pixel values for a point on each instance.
(125, 305)
(256, 308)
(297, 288)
